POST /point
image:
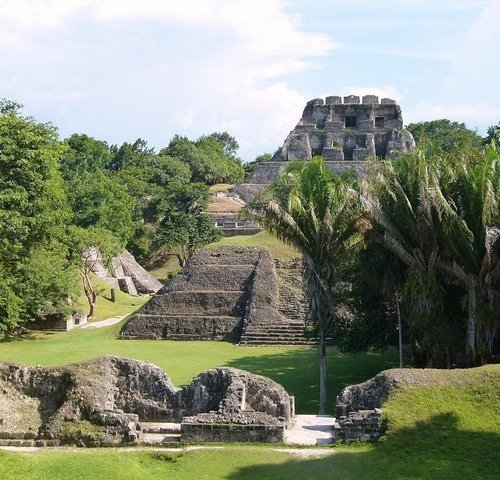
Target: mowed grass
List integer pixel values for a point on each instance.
(443, 432)
(105, 308)
(277, 248)
(296, 368)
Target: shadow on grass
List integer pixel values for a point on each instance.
(433, 450)
(297, 370)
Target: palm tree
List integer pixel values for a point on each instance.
(439, 216)
(400, 200)
(473, 208)
(320, 215)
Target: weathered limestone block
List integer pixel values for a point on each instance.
(360, 426)
(388, 101)
(367, 99)
(95, 402)
(144, 282)
(333, 100)
(351, 99)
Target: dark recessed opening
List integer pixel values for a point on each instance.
(379, 122)
(350, 122)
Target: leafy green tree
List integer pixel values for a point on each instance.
(33, 217)
(228, 142)
(98, 200)
(130, 154)
(183, 222)
(251, 166)
(472, 241)
(208, 161)
(493, 134)
(84, 155)
(401, 200)
(320, 215)
(444, 136)
(439, 216)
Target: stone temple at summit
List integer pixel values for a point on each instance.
(345, 132)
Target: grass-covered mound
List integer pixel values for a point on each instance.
(444, 431)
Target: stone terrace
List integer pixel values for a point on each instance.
(227, 293)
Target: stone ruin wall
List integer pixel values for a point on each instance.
(103, 402)
(123, 274)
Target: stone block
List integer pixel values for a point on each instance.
(351, 99)
(387, 101)
(127, 285)
(370, 99)
(333, 100)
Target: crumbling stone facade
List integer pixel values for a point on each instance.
(345, 132)
(349, 130)
(104, 402)
(124, 274)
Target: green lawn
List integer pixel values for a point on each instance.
(105, 308)
(294, 367)
(277, 248)
(445, 432)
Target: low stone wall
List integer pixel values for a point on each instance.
(215, 303)
(192, 431)
(360, 426)
(179, 327)
(226, 256)
(197, 277)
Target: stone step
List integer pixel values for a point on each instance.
(178, 327)
(161, 428)
(278, 342)
(18, 435)
(291, 328)
(201, 303)
(28, 443)
(267, 334)
(152, 439)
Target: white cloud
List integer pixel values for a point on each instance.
(236, 81)
(472, 114)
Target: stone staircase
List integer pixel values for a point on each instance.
(156, 433)
(24, 439)
(292, 306)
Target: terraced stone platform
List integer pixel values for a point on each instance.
(228, 293)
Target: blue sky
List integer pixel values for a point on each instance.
(119, 70)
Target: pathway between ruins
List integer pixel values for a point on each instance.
(105, 323)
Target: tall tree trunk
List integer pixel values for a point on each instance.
(471, 322)
(400, 333)
(89, 293)
(323, 407)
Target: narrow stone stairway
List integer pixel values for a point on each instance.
(292, 306)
